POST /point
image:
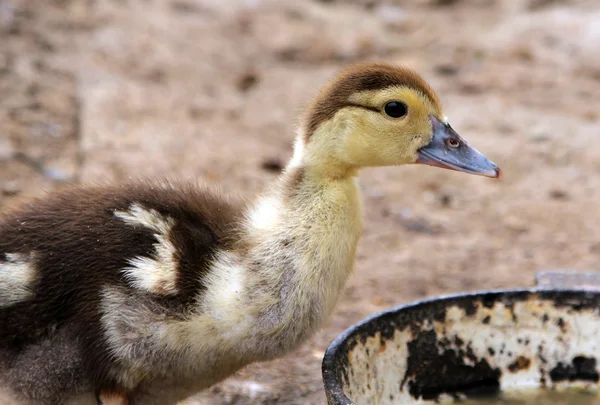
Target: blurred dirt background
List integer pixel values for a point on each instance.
(210, 89)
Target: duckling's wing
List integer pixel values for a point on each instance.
(64, 258)
(61, 252)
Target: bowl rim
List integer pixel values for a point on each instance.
(333, 386)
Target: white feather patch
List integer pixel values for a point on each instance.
(157, 275)
(265, 214)
(224, 286)
(298, 152)
(17, 277)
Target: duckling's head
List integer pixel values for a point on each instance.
(382, 115)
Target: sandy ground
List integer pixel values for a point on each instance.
(211, 89)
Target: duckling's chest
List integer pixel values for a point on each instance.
(309, 256)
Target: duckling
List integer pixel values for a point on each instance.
(149, 292)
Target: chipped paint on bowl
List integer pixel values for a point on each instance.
(467, 345)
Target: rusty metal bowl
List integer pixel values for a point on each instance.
(470, 345)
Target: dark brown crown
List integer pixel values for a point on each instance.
(362, 77)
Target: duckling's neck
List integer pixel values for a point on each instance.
(303, 237)
(275, 290)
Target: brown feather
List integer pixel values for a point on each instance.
(357, 78)
(82, 247)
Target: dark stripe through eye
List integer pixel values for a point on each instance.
(366, 107)
(394, 109)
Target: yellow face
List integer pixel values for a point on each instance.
(380, 115)
(380, 128)
(393, 130)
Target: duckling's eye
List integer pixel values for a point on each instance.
(396, 109)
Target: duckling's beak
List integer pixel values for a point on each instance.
(449, 151)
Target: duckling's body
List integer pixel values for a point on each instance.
(78, 249)
(153, 292)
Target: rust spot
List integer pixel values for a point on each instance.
(543, 383)
(520, 363)
(580, 369)
(541, 354)
(382, 347)
(427, 368)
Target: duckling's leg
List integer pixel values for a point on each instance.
(112, 398)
